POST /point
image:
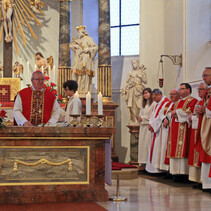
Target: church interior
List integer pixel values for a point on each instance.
(93, 157)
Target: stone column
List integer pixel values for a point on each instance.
(64, 70)
(104, 57)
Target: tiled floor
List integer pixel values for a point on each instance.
(149, 193)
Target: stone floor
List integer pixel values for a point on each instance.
(148, 193)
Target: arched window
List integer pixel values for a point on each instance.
(124, 20)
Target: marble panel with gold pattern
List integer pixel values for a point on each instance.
(44, 165)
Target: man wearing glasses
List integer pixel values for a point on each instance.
(179, 133)
(35, 105)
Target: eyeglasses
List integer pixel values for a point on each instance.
(37, 79)
(182, 88)
(201, 89)
(205, 75)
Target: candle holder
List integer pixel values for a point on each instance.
(100, 122)
(88, 122)
(75, 122)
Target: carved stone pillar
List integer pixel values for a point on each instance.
(104, 66)
(64, 70)
(104, 57)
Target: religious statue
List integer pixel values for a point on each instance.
(18, 70)
(42, 64)
(22, 14)
(132, 90)
(37, 4)
(7, 10)
(85, 50)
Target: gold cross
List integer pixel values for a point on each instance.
(3, 91)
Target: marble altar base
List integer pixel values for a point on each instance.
(52, 164)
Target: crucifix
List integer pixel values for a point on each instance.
(13, 15)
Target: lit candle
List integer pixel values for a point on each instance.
(27, 74)
(88, 104)
(100, 104)
(75, 103)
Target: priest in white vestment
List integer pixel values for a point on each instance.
(153, 160)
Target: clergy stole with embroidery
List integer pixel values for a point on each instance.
(179, 133)
(37, 105)
(193, 157)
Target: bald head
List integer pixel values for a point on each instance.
(174, 95)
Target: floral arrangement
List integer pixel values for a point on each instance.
(51, 87)
(2, 116)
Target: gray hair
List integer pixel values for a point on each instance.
(37, 72)
(156, 92)
(204, 85)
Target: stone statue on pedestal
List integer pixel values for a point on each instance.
(85, 50)
(132, 91)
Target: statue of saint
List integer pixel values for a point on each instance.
(43, 64)
(7, 10)
(18, 70)
(133, 89)
(85, 50)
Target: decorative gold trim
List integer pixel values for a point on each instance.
(42, 161)
(45, 183)
(55, 138)
(52, 183)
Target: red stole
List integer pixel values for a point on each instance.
(193, 157)
(179, 136)
(154, 134)
(37, 112)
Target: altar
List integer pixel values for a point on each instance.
(52, 164)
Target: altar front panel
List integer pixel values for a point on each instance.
(52, 164)
(44, 165)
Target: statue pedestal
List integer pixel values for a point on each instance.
(134, 137)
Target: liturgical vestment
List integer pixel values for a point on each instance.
(179, 135)
(153, 160)
(205, 151)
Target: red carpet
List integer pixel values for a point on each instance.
(75, 206)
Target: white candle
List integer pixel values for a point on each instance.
(54, 74)
(35, 67)
(42, 70)
(100, 104)
(27, 74)
(75, 103)
(88, 104)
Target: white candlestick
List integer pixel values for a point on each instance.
(27, 74)
(88, 104)
(100, 104)
(75, 103)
